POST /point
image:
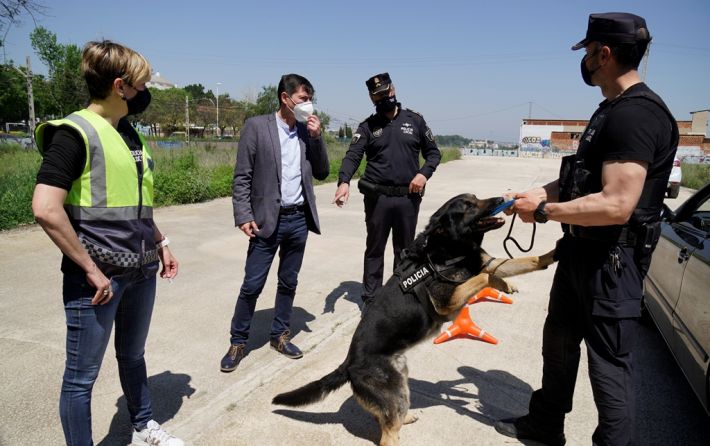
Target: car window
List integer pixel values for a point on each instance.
(700, 218)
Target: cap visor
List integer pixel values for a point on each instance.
(381, 88)
(581, 44)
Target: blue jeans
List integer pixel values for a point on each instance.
(289, 239)
(88, 331)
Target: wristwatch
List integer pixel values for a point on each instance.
(163, 243)
(540, 216)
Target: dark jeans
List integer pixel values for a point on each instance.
(88, 331)
(382, 214)
(592, 301)
(289, 239)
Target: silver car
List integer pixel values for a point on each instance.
(677, 289)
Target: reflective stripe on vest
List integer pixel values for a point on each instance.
(104, 203)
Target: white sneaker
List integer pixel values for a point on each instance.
(154, 435)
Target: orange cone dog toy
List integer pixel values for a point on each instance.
(489, 293)
(464, 327)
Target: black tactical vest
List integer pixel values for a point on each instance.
(578, 178)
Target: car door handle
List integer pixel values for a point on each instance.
(683, 255)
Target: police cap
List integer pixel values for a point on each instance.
(615, 27)
(378, 83)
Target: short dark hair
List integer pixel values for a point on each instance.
(292, 82)
(629, 55)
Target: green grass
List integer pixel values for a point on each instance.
(18, 169)
(198, 173)
(695, 176)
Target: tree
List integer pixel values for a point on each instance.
(233, 114)
(13, 94)
(348, 131)
(10, 13)
(66, 84)
(324, 120)
(267, 102)
(341, 132)
(166, 111)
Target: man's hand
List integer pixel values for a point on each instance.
(417, 184)
(170, 263)
(342, 194)
(249, 228)
(313, 126)
(525, 204)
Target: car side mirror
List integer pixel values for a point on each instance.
(667, 214)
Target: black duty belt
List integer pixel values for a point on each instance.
(288, 210)
(367, 187)
(626, 237)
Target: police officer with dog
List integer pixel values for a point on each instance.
(393, 182)
(609, 198)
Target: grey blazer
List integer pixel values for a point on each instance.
(256, 189)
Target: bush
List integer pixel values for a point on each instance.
(695, 176)
(182, 175)
(18, 170)
(179, 180)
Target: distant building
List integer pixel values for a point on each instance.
(553, 138)
(159, 82)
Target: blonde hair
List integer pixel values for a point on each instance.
(102, 62)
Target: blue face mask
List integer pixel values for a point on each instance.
(386, 105)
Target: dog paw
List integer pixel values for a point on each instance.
(501, 284)
(546, 260)
(410, 418)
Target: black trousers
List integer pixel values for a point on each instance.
(598, 300)
(382, 215)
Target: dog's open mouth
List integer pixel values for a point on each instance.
(489, 223)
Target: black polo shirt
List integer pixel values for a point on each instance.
(392, 149)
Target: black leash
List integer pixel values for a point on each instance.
(508, 237)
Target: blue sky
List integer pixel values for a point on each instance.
(470, 67)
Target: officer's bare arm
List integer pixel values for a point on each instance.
(622, 184)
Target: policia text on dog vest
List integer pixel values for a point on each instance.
(578, 178)
(111, 204)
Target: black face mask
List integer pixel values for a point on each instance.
(386, 105)
(587, 73)
(138, 103)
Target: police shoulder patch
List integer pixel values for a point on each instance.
(429, 134)
(356, 138)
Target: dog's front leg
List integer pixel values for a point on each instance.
(513, 267)
(465, 290)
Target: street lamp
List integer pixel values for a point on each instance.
(218, 132)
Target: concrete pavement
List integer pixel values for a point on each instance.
(458, 388)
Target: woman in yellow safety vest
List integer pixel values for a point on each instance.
(94, 199)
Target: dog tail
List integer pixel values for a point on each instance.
(315, 391)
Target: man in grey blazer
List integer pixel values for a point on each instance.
(279, 154)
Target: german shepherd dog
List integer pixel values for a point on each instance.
(443, 267)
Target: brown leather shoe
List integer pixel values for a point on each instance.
(234, 356)
(283, 345)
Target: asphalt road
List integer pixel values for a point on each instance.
(459, 388)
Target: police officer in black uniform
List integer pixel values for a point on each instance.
(393, 182)
(608, 198)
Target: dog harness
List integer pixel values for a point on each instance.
(415, 277)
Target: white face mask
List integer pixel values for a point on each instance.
(302, 111)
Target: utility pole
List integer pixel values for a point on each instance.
(187, 118)
(30, 102)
